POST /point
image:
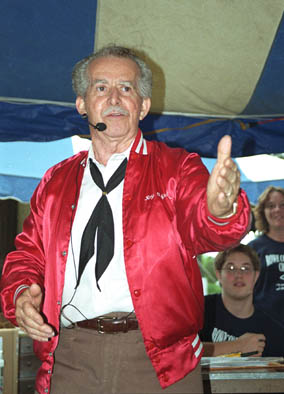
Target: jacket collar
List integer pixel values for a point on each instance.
(140, 145)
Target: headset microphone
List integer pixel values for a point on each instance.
(99, 126)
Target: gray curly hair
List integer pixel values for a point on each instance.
(81, 80)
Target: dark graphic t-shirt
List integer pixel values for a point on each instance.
(269, 289)
(220, 325)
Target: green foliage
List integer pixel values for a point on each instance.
(213, 288)
(206, 264)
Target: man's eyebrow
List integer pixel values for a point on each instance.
(105, 81)
(126, 83)
(97, 80)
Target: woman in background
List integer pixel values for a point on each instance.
(269, 245)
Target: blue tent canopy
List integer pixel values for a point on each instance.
(226, 84)
(48, 122)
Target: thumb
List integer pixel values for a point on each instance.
(224, 149)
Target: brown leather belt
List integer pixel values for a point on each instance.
(110, 325)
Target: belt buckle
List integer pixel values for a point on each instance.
(100, 320)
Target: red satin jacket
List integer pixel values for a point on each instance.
(166, 224)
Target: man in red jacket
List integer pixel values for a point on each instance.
(111, 242)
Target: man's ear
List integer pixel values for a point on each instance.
(256, 276)
(80, 105)
(145, 107)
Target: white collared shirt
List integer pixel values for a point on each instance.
(87, 301)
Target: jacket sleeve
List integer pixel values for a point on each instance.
(25, 265)
(198, 228)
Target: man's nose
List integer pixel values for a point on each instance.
(114, 96)
(238, 272)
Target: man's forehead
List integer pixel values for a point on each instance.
(238, 256)
(244, 260)
(114, 65)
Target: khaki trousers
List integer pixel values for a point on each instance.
(87, 362)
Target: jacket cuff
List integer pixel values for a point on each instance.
(18, 292)
(223, 221)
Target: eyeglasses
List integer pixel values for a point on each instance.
(244, 269)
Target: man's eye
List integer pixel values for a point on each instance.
(126, 88)
(101, 88)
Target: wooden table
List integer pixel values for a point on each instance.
(248, 375)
